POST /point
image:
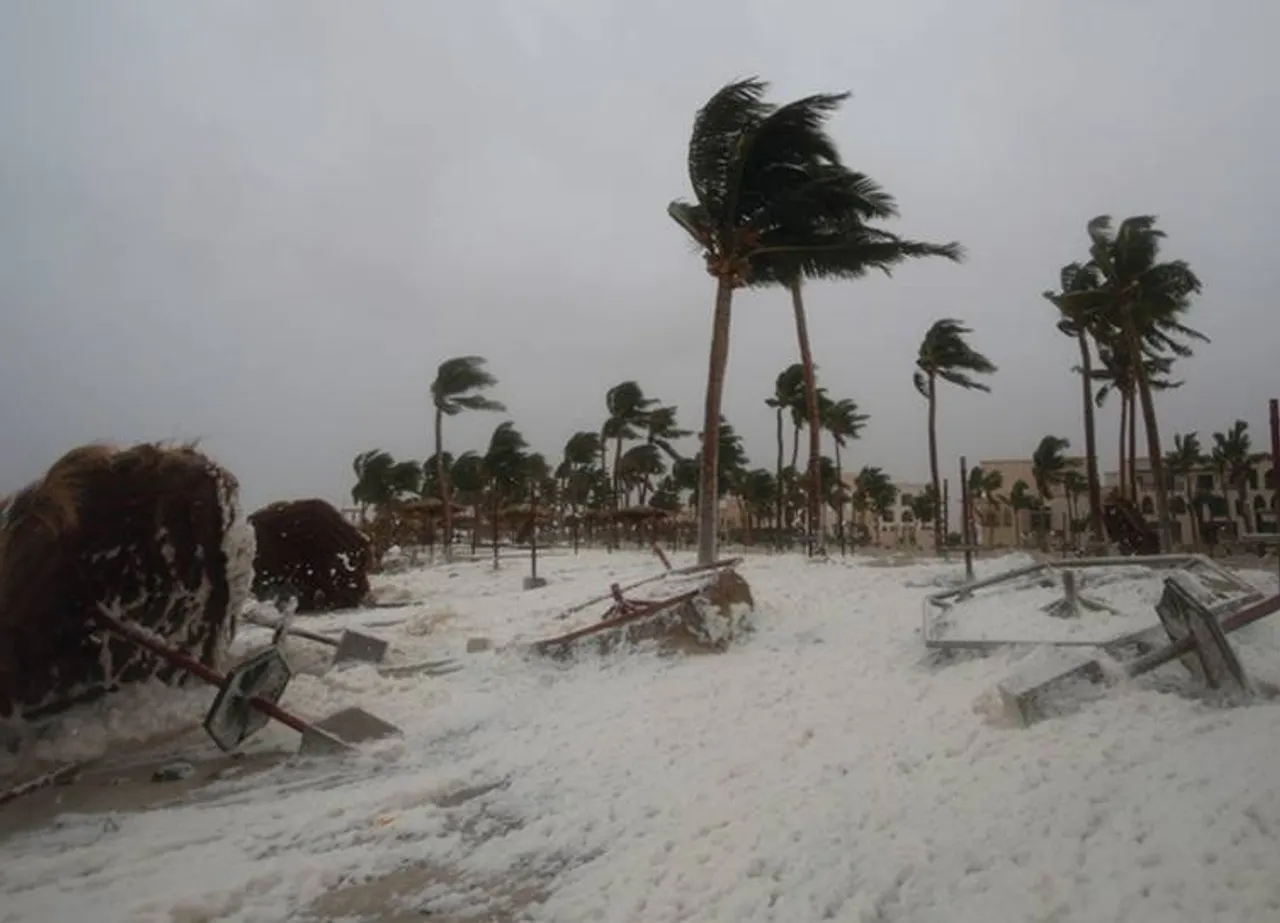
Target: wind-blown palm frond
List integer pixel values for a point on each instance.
(946, 354)
(456, 382)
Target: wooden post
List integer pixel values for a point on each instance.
(944, 519)
(966, 519)
(533, 534)
(1275, 468)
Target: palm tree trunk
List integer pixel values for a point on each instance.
(816, 507)
(1242, 497)
(708, 508)
(934, 477)
(777, 525)
(1133, 448)
(1150, 424)
(1123, 486)
(1091, 441)
(614, 534)
(844, 548)
(442, 475)
(795, 444)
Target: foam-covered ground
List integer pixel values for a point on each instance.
(823, 768)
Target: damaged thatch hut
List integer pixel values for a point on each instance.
(306, 549)
(150, 534)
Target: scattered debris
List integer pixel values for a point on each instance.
(173, 772)
(343, 730)
(477, 645)
(707, 616)
(247, 696)
(1198, 635)
(59, 775)
(348, 646)
(944, 613)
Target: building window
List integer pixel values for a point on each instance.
(1148, 507)
(1204, 482)
(1253, 478)
(1178, 506)
(907, 516)
(887, 516)
(1008, 519)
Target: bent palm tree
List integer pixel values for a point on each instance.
(836, 243)
(457, 387)
(983, 483)
(1182, 462)
(946, 354)
(1233, 456)
(1049, 466)
(1077, 322)
(788, 392)
(749, 166)
(1142, 301)
(844, 422)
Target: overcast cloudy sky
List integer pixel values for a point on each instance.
(263, 224)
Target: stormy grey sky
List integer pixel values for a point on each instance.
(263, 224)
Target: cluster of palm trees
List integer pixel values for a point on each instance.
(633, 458)
(1126, 307)
(774, 205)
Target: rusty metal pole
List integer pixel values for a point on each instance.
(966, 519)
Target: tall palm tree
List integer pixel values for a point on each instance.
(662, 430)
(844, 421)
(1119, 373)
(628, 408)
(788, 394)
(1233, 456)
(946, 354)
(373, 478)
(1183, 461)
(1048, 467)
(1142, 301)
(758, 192)
(459, 385)
(839, 244)
(875, 492)
(577, 472)
(984, 484)
(1077, 321)
(925, 507)
(1074, 486)
(504, 466)
(1021, 499)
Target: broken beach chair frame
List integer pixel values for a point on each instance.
(249, 695)
(937, 606)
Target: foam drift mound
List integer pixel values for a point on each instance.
(693, 609)
(305, 548)
(150, 535)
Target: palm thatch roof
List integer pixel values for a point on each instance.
(151, 534)
(306, 549)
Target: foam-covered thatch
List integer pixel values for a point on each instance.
(150, 534)
(308, 550)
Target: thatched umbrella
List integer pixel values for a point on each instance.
(152, 535)
(306, 548)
